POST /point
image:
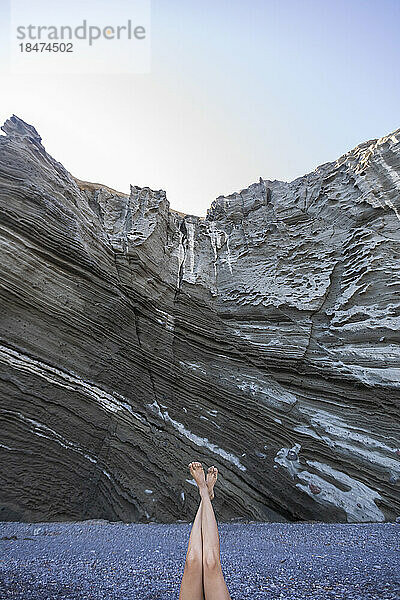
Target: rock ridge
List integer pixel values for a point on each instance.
(263, 338)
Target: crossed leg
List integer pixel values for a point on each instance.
(192, 580)
(202, 577)
(213, 579)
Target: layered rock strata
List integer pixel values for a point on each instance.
(263, 339)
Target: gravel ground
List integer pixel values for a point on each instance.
(99, 560)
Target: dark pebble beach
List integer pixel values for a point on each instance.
(95, 560)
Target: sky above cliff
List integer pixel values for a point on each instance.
(236, 90)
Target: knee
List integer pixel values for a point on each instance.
(211, 562)
(193, 561)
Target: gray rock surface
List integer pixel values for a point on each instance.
(263, 339)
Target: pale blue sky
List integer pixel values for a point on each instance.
(238, 89)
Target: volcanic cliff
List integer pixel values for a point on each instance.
(263, 339)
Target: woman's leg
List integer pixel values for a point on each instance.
(213, 579)
(192, 580)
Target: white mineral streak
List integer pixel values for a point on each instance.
(293, 466)
(217, 239)
(170, 323)
(155, 408)
(166, 320)
(190, 275)
(42, 430)
(204, 442)
(348, 440)
(228, 255)
(66, 380)
(180, 257)
(10, 448)
(376, 156)
(395, 179)
(269, 392)
(193, 366)
(358, 502)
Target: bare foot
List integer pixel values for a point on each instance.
(211, 479)
(197, 472)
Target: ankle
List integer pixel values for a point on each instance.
(203, 490)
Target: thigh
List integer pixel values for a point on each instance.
(192, 585)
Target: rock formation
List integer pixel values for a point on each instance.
(263, 339)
